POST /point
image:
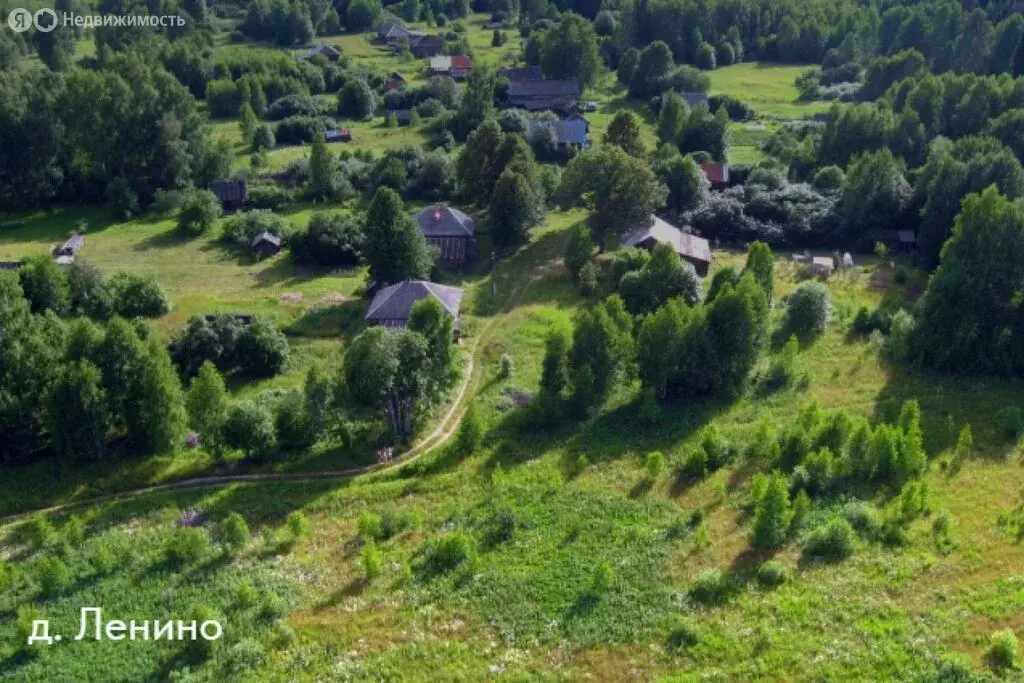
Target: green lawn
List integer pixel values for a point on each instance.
(768, 88)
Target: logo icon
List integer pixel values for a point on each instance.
(20, 19)
(49, 25)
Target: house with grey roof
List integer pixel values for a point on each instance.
(695, 99)
(695, 250)
(231, 193)
(65, 254)
(522, 73)
(266, 244)
(392, 305)
(561, 97)
(453, 232)
(572, 133)
(329, 51)
(392, 32)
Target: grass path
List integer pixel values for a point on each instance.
(426, 445)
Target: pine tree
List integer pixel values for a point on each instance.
(555, 373)
(773, 514)
(672, 118)
(78, 411)
(395, 249)
(162, 419)
(324, 175)
(247, 123)
(515, 208)
(761, 264)
(624, 132)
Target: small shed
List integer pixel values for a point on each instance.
(394, 81)
(71, 247)
(717, 174)
(266, 244)
(231, 193)
(822, 266)
(329, 51)
(240, 318)
(10, 265)
(900, 241)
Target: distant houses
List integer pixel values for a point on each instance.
(231, 193)
(265, 245)
(10, 265)
(561, 97)
(329, 51)
(571, 133)
(452, 231)
(392, 305)
(693, 249)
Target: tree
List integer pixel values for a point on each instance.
(761, 264)
(477, 102)
(736, 322)
(597, 357)
(395, 249)
(808, 310)
(471, 431)
(138, 296)
(772, 514)
(622, 191)
(388, 372)
(160, 423)
(515, 208)
(579, 250)
(57, 46)
(665, 276)
(876, 196)
(653, 68)
(361, 15)
(570, 51)
(970, 313)
(474, 169)
(687, 185)
(199, 212)
(247, 122)
(236, 532)
(356, 100)
(89, 293)
(672, 117)
(429, 318)
(263, 139)
(624, 132)
(331, 239)
(555, 369)
(250, 429)
(262, 349)
(207, 407)
(293, 429)
(78, 411)
(44, 284)
(324, 174)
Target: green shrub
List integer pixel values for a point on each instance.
(103, 559)
(655, 464)
(1002, 649)
(53, 576)
(782, 371)
(368, 526)
(588, 279)
(271, 605)
(502, 525)
(602, 579)
(696, 465)
(245, 655)
(201, 647)
(236, 532)
(42, 533)
(73, 531)
(683, 635)
(808, 310)
(373, 561)
(450, 551)
(505, 367)
(471, 432)
(246, 595)
(772, 574)
(393, 523)
(830, 541)
(24, 625)
(186, 545)
(711, 587)
(864, 518)
(298, 525)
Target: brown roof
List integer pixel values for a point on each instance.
(684, 243)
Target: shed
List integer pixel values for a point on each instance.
(394, 81)
(392, 32)
(424, 47)
(717, 174)
(266, 244)
(822, 265)
(392, 305)
(231, 193)
(452, 231)
(338, 135)
(241, 318)
(329, 51)
(694, 250)
(900, 241)
(10, 265)
(71, 247)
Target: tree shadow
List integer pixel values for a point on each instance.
(344, 320)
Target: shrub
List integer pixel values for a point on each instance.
(808, 310)
(684, 635)
(271, 605)
(964, 446)
(25, 625)
(828, 178)
(42, 533)
(711, 587)
(1002, 650)
(53, 575)
(200, 210)
(293, 428)
(772, 574)
(332, 239)
(372, 561)
(138, 296)
(242, 227)
(236, 532)
(602, 579)
(505, 367)
(369, 526)
(186, 545)
(471, 432)
(901, 328)
(246, 595)
(450, 551)
(580, 249)
(655, 464)
(298, 525)
(102, 559)
(588, 279)
(249, 428)
(300, 130)
(782, 371)
(864, 518)
(245, 655)
(201, 647)
(267, 196)
(696, 465)
(830, 541)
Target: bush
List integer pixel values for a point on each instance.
(450, 551)
(588, 279)
(782, 372)
(244, 656)
(368, 526)
(42, 533)
(246, 595)
(267, 196)
(602, 579)
(331, 239)
(580, 249)
(271, 605)
(53, 576)
(1002, 649)
(898, 345)
(262, 349)
(138, 296)
(808, 310)
(236, 532)
(200, 210)
(298, 525)
(655, 464)
(772, 574)
(102, 559)
(293, 428)
(373, 561)
(828, 178)
(250, 429)
(711, 587)
(187, 545)
(300, 130)
(471, 432)
(830, 541)
(1011, 422)
(864, 518)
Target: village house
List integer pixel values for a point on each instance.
(240, 318)
(451, 231)
(265, 245)
(338, 135)
(900, 241)
(393, 33)
(456, 66)
(717, 174)
(329, 51)
(231, 194)
(10, 265)
(392, 305)
(65, 254)
(561, 97)
(394, 82)
(694, 250)
(424, 47)
(574, 133)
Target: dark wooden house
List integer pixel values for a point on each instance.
(329, 51)
(392, 305)
(451, 231)
(266, 244)
(231, 193)
(425, 47)
(695, 250)
(561, 97)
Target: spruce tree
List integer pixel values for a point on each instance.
(773, 514)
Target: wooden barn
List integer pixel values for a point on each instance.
(392, 305)
(694, 250)
(451, 231)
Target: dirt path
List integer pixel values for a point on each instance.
(426, 445)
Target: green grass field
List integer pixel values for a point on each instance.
(768, 88)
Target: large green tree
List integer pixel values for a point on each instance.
(570, 51)
(624, 132)
(515, 208)
(207, 407)
(395, 249)
(78, 411)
